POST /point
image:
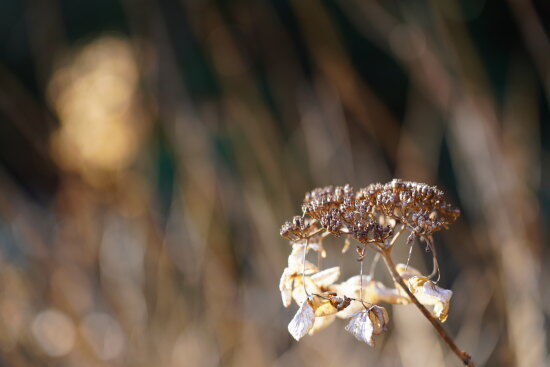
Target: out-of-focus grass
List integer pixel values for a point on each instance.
(149, 152)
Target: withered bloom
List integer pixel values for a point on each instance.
(365, 324)
(372, 292)
(336, 210)
(296, 269)
(298, 228)
(373, 216)
(435, 298)
(328, 205)
(420, 207)
(303, 321)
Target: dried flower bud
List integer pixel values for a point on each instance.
(420, 207)
(298, 228)
(328, 205)
(331, 220)
(340, 303)
(368, 231)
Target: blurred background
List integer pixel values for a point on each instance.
(151, 150)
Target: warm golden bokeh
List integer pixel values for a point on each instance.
(95, 94)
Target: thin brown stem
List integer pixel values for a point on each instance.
(464, 357)
(361, 280)
(435, 270)
(304, 268)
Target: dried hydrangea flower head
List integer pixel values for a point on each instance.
(298, 228)
(338, 212)
(420, 207)
(375, 217)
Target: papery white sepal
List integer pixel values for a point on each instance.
(361, 326)
(302, 322)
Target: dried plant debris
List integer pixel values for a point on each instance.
(338, 212)
(374, 217)
(420, 207)
(371, 214)
(298, 228)
(365, 324)
(303, 321)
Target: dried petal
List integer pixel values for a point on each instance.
(325, 309)
(376, 292)
(302, 322)
(299, 293)
(379, 317)
(349, 311)
(407, 271)
(296, 261)
(441, 311)
(373, 292)
(431, 295)
(367, 323)
(353, 283)
(285, 286)
(326, 277)
(361, 327)
(350, 288)
(313, 244)
(292, 276)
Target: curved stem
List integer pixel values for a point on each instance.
(464, 357)
(435, 270)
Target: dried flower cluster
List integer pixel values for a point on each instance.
(421, 208)
(375, 217)
(370, 214)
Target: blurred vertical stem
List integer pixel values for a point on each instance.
(464, 357)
